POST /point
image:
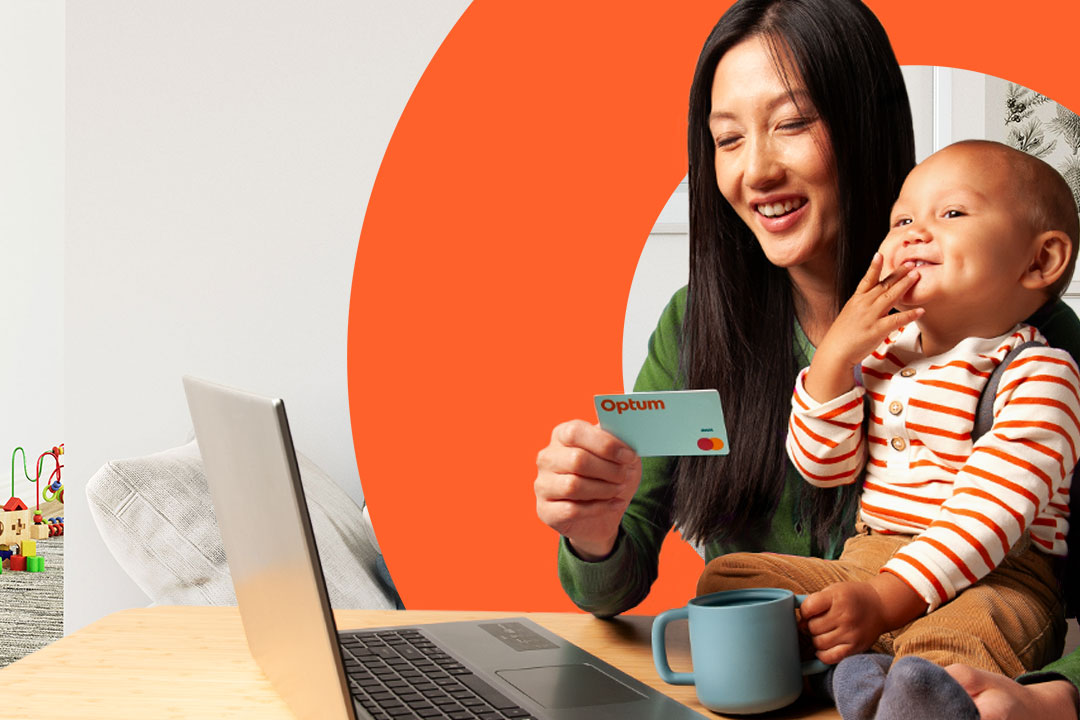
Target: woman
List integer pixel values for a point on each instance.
(799, 139)
(782, 226)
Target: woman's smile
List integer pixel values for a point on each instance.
(779, 215)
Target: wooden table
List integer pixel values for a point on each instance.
(193, 662)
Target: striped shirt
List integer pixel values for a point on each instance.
(968, 504)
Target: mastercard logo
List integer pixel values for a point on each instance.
(706, 443)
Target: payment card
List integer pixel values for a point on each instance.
(678, 422)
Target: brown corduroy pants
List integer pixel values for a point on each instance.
(1010, 622)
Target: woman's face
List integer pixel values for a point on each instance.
(774, 161)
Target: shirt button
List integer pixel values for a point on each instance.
(907, 372)
(895, 407)
(898, 443)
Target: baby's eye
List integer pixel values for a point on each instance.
(900, 222)
(954, 213)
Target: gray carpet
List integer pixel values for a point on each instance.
(32, 604)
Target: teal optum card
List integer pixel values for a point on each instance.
(682, 422)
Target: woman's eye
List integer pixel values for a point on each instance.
(726, 141)
(800, 123)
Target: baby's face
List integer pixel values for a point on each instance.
(959, 220)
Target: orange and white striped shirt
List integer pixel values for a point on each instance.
(968, 503)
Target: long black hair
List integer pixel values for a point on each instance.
(738, 332)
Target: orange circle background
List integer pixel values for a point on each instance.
(498, 248)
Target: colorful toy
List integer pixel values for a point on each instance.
(55, 486)
(21, 527)
(15, 521)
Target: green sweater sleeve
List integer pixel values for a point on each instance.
(623, 579)
(1067, 668)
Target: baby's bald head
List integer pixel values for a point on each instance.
(1037, 188)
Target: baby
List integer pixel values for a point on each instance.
(957, 544)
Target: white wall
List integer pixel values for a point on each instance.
(219, 160)
(31, 235)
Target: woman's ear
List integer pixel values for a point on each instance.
(1053, 251)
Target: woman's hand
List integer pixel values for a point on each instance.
(863, 323)
(999, 698)
(585, 479)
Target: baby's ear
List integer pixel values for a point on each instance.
(1053, 250)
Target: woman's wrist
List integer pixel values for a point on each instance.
(1056, 699)
(593, 551)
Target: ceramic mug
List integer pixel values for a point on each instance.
(744, 647)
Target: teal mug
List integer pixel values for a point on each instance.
(744, 647)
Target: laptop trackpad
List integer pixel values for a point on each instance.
(568, 686)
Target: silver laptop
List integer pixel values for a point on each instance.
(479, 670)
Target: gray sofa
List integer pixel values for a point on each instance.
(156, 516)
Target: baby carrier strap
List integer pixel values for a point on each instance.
(984, 418)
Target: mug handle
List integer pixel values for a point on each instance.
(811, 667)
(659, 648)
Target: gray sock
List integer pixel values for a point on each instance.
(917, 688)
(858, 683)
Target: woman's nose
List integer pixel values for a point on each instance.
(763, 166)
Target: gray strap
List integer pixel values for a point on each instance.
(984, 411)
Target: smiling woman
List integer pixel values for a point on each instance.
(774, 161)
(782, 226)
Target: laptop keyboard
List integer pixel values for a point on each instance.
(397, 674)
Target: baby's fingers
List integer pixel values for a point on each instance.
(896, 275)
(895, 289)
(895, 321)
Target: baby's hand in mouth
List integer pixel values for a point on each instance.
(890, 277)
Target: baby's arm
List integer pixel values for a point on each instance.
(1014, 482)
(824, 438)
(848, 617)
(863, 323)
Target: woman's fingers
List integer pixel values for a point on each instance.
(593, 439)
(585, 479)
(574, 460)
(580, 459)
(580, 488)
(569, 517)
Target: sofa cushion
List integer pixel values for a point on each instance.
(156, 517)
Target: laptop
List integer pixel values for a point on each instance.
(475, 670)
